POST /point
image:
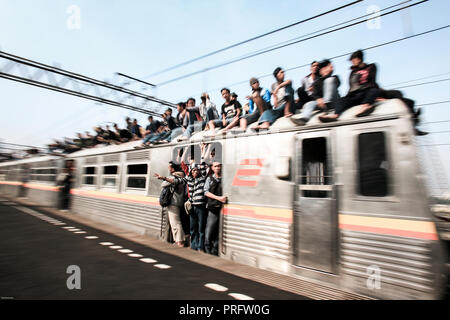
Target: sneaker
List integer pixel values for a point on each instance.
(299, 122)
(328, 118)
(365, 111)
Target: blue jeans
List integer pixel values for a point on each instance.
(212, 232)
(197, 224)
(330, 96)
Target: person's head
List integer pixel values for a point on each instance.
(234, 95)
(226, 94)
(107, 127)
(325, 68)
(181, 106)
(116, 126)
(168, 112)
(135, 122)
(217, 168)
(204, 97)
(191, 102)
(278, 73)
(173, 167)
(150, 119)
(357, 58)
(254, 83)
(127, 120)
(314, 66)
(195, 172)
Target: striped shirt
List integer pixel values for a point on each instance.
(196, 186)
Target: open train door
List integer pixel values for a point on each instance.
(315, 207)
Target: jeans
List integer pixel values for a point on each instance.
(212, 232)
(330, 96)
(197, 226)
(356, 98)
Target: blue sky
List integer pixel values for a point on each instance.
(141, 37)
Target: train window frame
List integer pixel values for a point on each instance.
(391, 185)
(115, 176)
(127, 176)
(41, 174)
(94, 176)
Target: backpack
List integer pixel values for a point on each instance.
(165, 198)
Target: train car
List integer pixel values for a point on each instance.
(343, 203)
(34, 178)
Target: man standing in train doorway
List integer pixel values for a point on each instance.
(64, 182)
(215, 202)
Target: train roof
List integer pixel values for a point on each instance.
(29, 160)
(387, 108)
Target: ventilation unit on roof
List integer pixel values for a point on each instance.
(112, 158)
(91, 160)
(140, 155)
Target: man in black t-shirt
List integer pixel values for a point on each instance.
(231, 111)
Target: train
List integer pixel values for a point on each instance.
(343, 203)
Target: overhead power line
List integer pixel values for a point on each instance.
(252, 39)
(283, 46)
(421, 84)
(339, 56)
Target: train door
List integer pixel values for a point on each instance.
(315, 208)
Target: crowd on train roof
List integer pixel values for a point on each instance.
(319, 91)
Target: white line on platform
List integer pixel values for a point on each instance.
(115, 247)
(125, 251)
(239, 296)
(162, 266)
(68, 227)
(135, 255)
(91, 237)
(80, 232)
(216, 287)
(106, 243)
(148, 260)
(73, 230)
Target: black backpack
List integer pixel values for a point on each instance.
(165, 198)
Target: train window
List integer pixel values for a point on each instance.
(372, 164)
(136, 182)
(110, 170)
(315, 166)
(137, 169)
(89, 175)
(89, 170)
(137, 176)
(109, 178)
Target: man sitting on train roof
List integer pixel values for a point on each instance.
(324, 92)
(231, 111)
(283, 98)
(363, 89)
(207, 111)
(259, 101)
(306, 90)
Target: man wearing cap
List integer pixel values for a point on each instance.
(324, 92)
(259, 101)
(363, 89)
